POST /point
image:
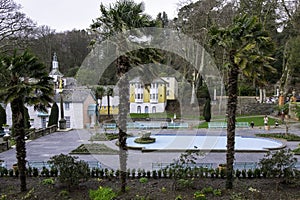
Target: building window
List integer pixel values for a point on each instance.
(146, 109)
(68, 121)
(153, 109)
(139, 109)
(168, 92)
(43, 122)
(67, 106)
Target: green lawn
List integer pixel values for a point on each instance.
(258, 121)
(94, 148)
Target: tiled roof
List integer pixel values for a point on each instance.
(74, 95)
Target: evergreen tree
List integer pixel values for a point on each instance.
(207, 110)
(2, 117)
(53, 118)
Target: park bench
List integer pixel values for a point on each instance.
(244, 165)
(224, 125)
(217, 125)
(153, 125)
(178, 125)
(94, 164)
(110, 126)
(200, 165)
(242, 125)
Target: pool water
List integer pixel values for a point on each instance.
(208, 143)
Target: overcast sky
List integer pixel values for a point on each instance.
(63, 15)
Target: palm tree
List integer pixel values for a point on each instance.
(99, 92)
(26, 83)
(117, 19)
(109, 93)
(248, 46)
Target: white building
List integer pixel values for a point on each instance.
(76, 101)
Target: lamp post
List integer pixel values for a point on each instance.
(6, 138)
(62, 121)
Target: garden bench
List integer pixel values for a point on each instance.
(94, 164)
(110, 126)
(244, 165)
(178, 125)
(242, 125)
(133, 125)
(153, 125)
(200, 165)
(224, 125)
(217, 125)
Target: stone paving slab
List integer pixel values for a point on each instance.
(45, 147)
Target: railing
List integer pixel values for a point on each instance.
(149, 125)
(41, 132)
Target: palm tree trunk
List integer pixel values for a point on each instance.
(122, 119)
(108, 106)
(231, 111)
(17, 109)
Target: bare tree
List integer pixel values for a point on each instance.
(13, 25)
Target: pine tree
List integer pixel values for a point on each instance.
(53, 118)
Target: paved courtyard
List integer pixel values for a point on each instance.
(64, 142)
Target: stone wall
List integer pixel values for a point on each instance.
(247, 105)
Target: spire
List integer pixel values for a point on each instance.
(54, 57)
(54, 62)
(55, 73)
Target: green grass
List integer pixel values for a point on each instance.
(258, 121)
(94, 149)
(288, 137)
(152, 115)
(297, 150)
(105, 136)
(144, 140)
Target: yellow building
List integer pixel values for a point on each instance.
(148, 98)
(171, 87)
(113, 105)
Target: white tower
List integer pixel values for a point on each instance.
(55, 73)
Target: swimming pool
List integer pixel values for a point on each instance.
(205, 143)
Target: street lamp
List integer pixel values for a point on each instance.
(6, 138)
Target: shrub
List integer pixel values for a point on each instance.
(279, 163)
(48, 181)
(207, 110)
(257, 173)
(185, 183)
(133, 173)
(45, 172)
(71, 171)
(199, 196)
(143, 180)
(249, 173)
(207, 190)
(238, 173)
(244, 173)
(35, 172)
(64, 194)
(53, 171)
(53, 118)
(217, 192)
(102, 193)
